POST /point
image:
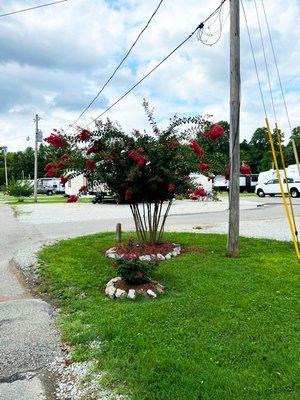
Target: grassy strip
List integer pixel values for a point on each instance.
(225, 328)
(42, 199)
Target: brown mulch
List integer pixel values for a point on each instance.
(142, 249)
(138, 287)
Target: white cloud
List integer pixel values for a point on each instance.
(54, 60)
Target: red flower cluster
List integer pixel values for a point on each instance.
(84, 135)
(92, 149)
(214, 132)
(63, 180)
(128, 195)
(72, 199)
(57, 140)
(197, 149)
(171, 187)
(245, 169)
(52, 168)
(90, 164)
(138, 158)
(196, 194)
(204, 166)
(83, 189)
(186, 178)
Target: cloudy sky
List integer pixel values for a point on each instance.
(53, 60)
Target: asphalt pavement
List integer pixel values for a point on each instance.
(28, 338)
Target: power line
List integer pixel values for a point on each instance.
(119, 65)
(33, 8)
(200, 26)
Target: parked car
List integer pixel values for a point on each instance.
(272, 187)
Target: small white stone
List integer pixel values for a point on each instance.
(160, 257)
(174, 253)
(168, 256)
(113, 281)
(111, 250)
(110, 291)
(145, 258)
(131, 294)
(177, 249)
(120, 294)
(115, 256)
(151, 294)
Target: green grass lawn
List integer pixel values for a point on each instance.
(42, 199)
(224, 329)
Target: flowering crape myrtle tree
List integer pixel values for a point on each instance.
(144, 170)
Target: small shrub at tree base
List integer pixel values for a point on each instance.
(20, 189)
(134, 271)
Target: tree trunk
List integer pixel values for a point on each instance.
(150, 220)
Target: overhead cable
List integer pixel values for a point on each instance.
(119, 65)
(32, 8)
(200, 26)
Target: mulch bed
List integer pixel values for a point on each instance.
(141, 249)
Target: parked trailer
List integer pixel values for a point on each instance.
(247, 183)
(50, 186)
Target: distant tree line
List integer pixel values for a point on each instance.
(255, 152)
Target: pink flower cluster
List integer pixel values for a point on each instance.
(92, 149)
(90, 164)
(138, 158)
(197, 149)
(72, 199)
(84, 135)
(214, 132)
(245, 169)
(52, 168)
(57, 140)
(83, 189)
(204, 166)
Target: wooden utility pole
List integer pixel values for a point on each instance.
(4, 150)
(36, 138)
(235, 83)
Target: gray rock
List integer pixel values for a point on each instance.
(120, 294)
(110, 291)
(131, 294)
(145, 258)
(151, 294)
(178, 249)
(168, 256)
(160, 257)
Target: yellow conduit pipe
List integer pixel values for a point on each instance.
(282, 190)
(279, 140)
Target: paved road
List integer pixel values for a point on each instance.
(69, 220)
(28, 340)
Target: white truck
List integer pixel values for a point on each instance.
(272, 187)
